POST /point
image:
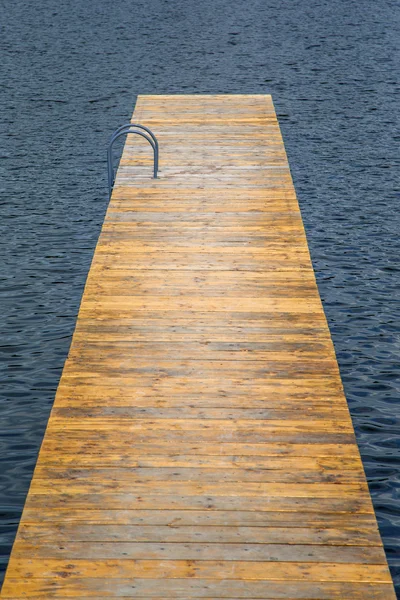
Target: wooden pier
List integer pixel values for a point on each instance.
(200, 445)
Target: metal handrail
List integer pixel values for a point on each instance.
(128, 125)
(124, 130)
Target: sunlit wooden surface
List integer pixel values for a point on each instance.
(200, 445)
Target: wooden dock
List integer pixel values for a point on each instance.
(200, 445)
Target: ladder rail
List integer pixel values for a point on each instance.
(129, 125)
(144, 132)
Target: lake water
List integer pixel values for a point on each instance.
(69, 75)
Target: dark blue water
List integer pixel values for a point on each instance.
(69, 75)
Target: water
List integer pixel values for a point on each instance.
(70, 73)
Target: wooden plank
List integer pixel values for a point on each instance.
(204, 569)
(160, 551)
(276, 350)
(318, 410)
(120, 501)
(200, 445)
(33, 534)
(79, 587)
(253, 451)
(285, 474)
(229, 518)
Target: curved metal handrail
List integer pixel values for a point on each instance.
(128, 125)
(124, 130)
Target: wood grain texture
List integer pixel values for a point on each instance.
(200, 445)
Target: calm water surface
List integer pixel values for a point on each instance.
(69, 75)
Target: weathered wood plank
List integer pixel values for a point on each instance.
(60, 533)
(232, 473)
(79, 587)
(227, 570)
(229, 518)
(120, 501)
(160, 551)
